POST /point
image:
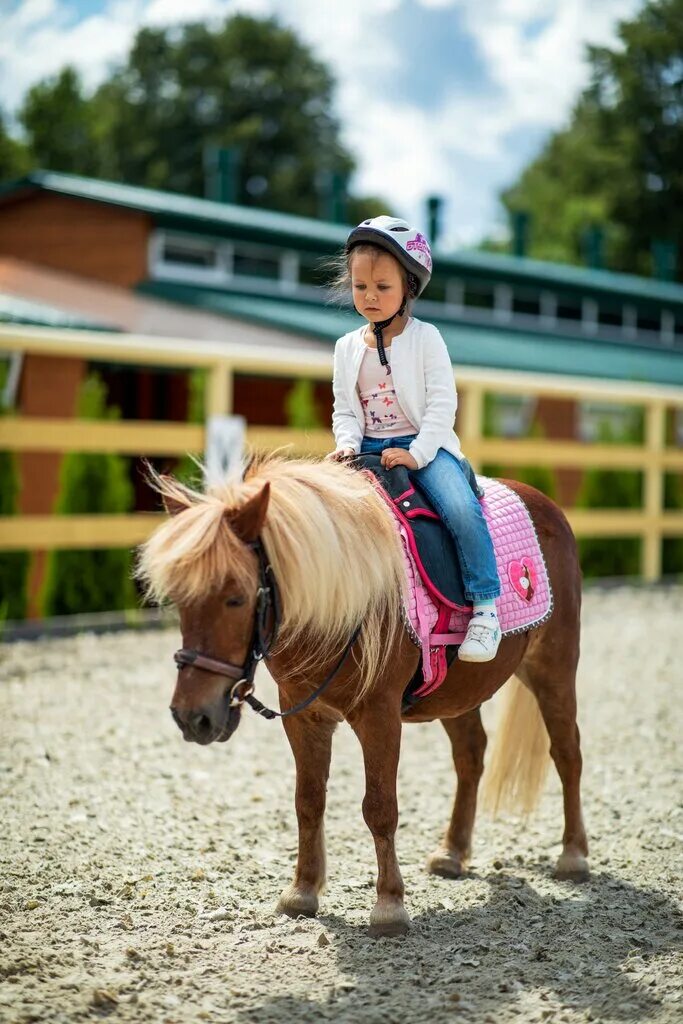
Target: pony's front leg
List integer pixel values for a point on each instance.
(310, 737)
(379, 732)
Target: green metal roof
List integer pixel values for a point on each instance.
(566, 276)
(204, 215)
(494, 347)
(208, 217)
(41, 314)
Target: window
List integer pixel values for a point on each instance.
(436, 289)
(526, 302)
(251, 261)
(610, 316)
(568, 309)
(478, 296)
(648, 321)
(189, 252)
(191, 259)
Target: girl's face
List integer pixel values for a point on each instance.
(377, 285)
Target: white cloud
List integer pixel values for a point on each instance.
(532, 51)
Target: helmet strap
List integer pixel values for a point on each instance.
(379, 327)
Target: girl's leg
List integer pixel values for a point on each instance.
(447, 487)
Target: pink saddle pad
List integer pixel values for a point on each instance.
(526, 599)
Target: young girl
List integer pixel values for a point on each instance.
(394, 395)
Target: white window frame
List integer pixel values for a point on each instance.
(223, 273)
(161, 270)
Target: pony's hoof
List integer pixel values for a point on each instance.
(388, 920)
(446, 864)
(572, 867)
(297, 902)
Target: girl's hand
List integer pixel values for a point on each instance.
(392, 457)
(341, 453)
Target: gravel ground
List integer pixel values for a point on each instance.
(139, 873)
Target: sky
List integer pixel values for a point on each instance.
(445, 97)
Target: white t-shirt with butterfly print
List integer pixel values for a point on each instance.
(423, 382)
(384, 416)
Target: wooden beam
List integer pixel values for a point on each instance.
(125, 437)
(294, 442)
(45, 533)
(37, 533)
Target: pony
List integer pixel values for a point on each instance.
(332, 546)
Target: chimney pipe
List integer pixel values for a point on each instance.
(434, 208)
(593, 244)
(664, 259)
(521, 223)
(221, 173)
(332, 192)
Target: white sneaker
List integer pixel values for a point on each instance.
(481, 640)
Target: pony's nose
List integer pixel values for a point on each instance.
(196, 723)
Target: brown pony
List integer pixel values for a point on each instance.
(335, 554)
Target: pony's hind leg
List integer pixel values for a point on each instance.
(468, 743)
(310, 737)
(553, 683)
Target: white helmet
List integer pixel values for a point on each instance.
(408, 245)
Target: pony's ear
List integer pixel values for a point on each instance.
(247, 520)
(176, 502)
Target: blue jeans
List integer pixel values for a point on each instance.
(445, 484)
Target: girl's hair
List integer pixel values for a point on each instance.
(340, 267)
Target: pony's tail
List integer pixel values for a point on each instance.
(520, 757)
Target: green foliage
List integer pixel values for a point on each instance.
(672, 553)
(618, 162)
(300, 407)
(15, 159)
(91, 581)
(14, 565)
(61, 124)
(187, 470)
(607, 488)
(540, 477)
(247, 84)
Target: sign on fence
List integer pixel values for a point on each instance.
(225, 436)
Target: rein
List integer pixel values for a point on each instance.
(242, 691)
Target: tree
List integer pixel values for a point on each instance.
(619, 163)
(15, 158)
(249, 85)
(59, 121)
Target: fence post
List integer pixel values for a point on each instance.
(219, 391)
(655, 424)
(471, 423)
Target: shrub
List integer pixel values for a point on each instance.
(91, 580)
(14, 565)
(607, 488)
(540, 477)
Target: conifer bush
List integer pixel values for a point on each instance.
(14, 565)
(609, 488)
(91, 580)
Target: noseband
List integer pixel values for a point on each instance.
(268, 603)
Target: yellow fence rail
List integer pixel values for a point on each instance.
(223, 362)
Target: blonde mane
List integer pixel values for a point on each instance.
(329, 537)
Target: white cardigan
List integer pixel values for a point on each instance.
(423, 378)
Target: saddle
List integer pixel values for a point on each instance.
(436, 611)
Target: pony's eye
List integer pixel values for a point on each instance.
(234, 602)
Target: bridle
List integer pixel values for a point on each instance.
(268, 605)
